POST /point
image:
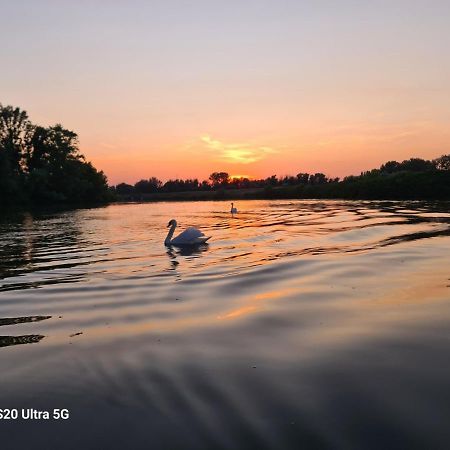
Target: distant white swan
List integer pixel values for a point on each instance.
(233, 210)
(190, 236)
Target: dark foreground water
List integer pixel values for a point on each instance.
(303, 324)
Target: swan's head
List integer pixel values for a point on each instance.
(172, 223)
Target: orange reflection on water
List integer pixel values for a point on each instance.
(238, 312)
(249, 309)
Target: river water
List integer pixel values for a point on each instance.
(303, 324)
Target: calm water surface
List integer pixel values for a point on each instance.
(303, 324)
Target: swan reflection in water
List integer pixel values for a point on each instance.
(189, 251)
(194, 251)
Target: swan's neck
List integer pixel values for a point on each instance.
(169, 235)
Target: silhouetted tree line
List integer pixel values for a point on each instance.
(414, 178)
(216, 181)
(43, 165)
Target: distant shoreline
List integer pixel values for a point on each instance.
(400, 186)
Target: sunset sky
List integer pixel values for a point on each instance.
(183, 88)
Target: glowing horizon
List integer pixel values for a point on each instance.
(177, 90)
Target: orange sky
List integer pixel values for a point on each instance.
(182, 89)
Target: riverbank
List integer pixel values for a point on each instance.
(11, 210)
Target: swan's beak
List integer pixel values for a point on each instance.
(168, 225)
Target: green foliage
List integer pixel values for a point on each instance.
(43, 165)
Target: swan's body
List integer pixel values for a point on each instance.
(233, 210)
(190, 236)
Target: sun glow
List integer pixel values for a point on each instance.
(238, 177)
(240, 153)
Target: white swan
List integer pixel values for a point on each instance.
(190, 236)
(233, 210)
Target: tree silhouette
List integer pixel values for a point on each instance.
(442, 163)
(124, 189)
(303, 178)
(219, 179)
(44, 164)
(148, 186)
